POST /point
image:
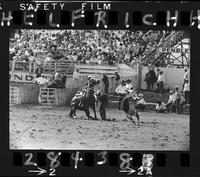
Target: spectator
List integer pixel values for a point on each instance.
(76, 76)
(116, 79)
(160, 107)
(186, 91)
(141, 103)
(106, 83)
(38, 71)
(171, 102)
(185, 77)
(160, 82)
(182, 102)
(177, 97)
(121, 92)
(80, 45)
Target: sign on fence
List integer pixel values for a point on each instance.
(22, 77)
(21, 66)
(173, 50)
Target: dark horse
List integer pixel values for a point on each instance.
(150, 79)
(84, 103)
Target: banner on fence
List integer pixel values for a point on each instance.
(22, 77)
(21, 66)
(173, 50)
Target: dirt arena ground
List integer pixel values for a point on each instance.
(40, 127)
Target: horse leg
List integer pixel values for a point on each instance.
(94, 110)
(129, 116)
(138, 117)
(87, 112)
(74, 112)
(71, 112)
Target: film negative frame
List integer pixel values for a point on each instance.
(103, 163)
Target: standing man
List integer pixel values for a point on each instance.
(76, 76)
(116, 79)
(186, 91)
(121, 92)
(161, 82)
(103, 99)
(185, 77)
(106, 83)
(177, 97)
(171, 102)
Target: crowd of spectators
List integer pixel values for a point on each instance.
(83, 46)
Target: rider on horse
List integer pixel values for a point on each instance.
(90, 88)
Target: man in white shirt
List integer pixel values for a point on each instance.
(160, 82)
(121, 92)
(171, 101)
(160, 107)
(129, 86)
(42, 81)
(76, 76)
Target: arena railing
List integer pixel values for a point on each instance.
(65, 67)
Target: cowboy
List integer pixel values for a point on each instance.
(116, 79)
(177, 98)
(171, 101)
(89, 82)
(121, 91)
(58, 78)
(103, 100)
(105, 82)
(141, 103)
(129, 86)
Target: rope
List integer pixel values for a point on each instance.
(107, 93)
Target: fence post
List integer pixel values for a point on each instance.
(13, 66)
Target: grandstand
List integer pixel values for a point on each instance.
(94, 52)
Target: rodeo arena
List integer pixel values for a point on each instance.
(99, 89)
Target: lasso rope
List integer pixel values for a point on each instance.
(109, 94)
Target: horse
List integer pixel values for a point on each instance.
(150, 79)
(84, 103)
(129, 107)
